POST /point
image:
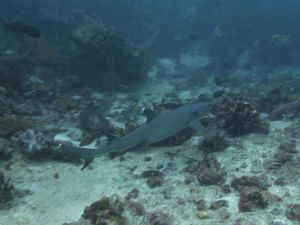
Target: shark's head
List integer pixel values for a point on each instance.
(200, 108)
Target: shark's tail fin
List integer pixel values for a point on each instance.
(87, 154)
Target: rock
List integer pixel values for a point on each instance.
(105, 61)
(200, 203)
(218, 204)
(6, 149)
(238, 183)
(12, 74)
(224, 214)
(134, 193)
(202, 215)
(237, 116)
(209, 172)
(285, 153)
(136, 208)
(105, 211)
(254, 197)
(214, 141)
(158, 218)
(151, 173)
(293, 212)
(154, 178)
(10, 125)
(155, 181)
(93, 124)
(278, 222)
(7, 190)
(81, 221)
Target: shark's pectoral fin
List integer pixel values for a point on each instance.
(195, 123)
(87, 163)
(84, 153)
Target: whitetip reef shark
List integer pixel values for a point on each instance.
(164, 125)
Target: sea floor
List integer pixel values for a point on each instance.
(60, 191)
(56, 200)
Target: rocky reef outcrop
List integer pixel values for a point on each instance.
(105, 61)
(237, 116)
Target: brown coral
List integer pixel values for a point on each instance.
(237, 116)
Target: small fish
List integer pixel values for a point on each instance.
(22, 28)
(194, 37)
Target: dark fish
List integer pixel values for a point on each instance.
(194, 37)
(21, 28)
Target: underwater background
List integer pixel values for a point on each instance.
(82, 78)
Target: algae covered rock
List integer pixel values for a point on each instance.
(6, 190)
(158, 218)
(238, 116)
(214, 141)
(293, 212)
(106, 211)
(254, 197)
(105, 61)
(209, 172)
(10, 125)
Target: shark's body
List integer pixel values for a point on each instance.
(161, 127)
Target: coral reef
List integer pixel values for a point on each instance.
(106, 61)
(214, 141)
(237, 116)
(9, 125)
(254, 197)
(33, 142)
(105, 211)
(253, 192)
